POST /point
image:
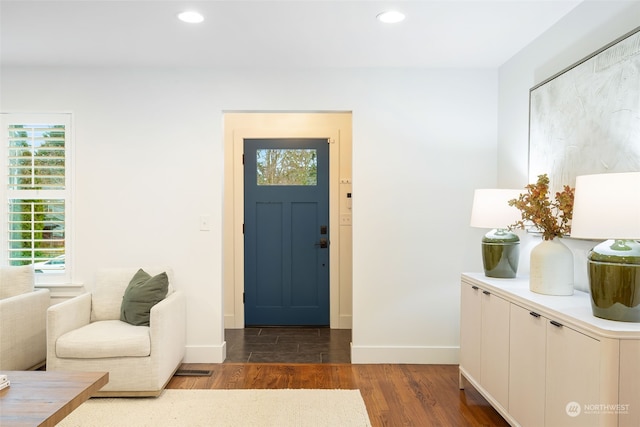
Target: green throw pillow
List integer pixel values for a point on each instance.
(142, 293)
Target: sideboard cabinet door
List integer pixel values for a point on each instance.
(470, 306)
(630, 383)
(494, 350)
(527, 366)
(573, 375)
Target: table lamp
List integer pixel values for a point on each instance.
(500, 247)
(607, 206)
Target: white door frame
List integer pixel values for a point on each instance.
(336, 127)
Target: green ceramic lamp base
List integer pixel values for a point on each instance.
(500, 254)
(614, 280)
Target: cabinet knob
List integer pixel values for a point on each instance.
(474, 287)
(486, 292)
(534, 314)
(557, 324)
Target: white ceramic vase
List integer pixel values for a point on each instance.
(551, 268)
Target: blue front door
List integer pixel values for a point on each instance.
(286, 232)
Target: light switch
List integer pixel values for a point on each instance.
(205, 223)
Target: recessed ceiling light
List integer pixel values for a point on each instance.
(191, 17)
(390, 17)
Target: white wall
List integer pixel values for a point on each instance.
(148, 161)
(419, 152)
(589, 27)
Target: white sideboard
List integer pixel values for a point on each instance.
(545, 360)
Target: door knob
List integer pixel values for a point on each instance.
(323, 243)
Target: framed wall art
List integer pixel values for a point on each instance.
(586, 119)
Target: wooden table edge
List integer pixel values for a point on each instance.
(73, 404)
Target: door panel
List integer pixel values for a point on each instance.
(304, 265)
(286, 208)
(269, 265)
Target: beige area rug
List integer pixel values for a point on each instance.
(233, 408)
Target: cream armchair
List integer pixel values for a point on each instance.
(85, 333)
(23, 311)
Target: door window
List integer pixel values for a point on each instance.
(284, 166)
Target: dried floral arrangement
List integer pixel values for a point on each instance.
(552, 218)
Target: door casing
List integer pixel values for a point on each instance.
(336, 126)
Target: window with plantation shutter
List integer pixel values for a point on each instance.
(36, 194)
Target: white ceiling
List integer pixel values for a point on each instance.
(272, 33)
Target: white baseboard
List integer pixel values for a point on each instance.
(414, 355)
(205, 353)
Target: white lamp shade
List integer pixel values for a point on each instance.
(491, 208)
(607, 206)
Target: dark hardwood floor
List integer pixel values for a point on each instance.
(395, 395)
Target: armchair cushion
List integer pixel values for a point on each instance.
(16, 281)
(142, 293)
(109, 338)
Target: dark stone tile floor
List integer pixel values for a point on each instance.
(288, 345)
